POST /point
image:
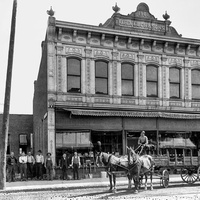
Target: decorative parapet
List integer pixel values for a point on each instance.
(141, 21)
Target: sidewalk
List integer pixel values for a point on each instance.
(83, 183)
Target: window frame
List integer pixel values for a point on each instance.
(194, 84)
(101, 77)
(152, 81)
(175, 83)
(128, 79)
(73, 75)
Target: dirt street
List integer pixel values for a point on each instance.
(173, 192)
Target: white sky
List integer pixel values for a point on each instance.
(31, 23)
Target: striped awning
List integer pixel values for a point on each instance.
(112, 113)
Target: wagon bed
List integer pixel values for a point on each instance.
(187, 165)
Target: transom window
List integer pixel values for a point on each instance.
(101, 77)
(152, 81)
(127, 71)
(174, 82)
(195, 84)
(73, 75)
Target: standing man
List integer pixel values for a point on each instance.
(30, 164)
(11, 164)
(39, 165)
(23, 166)
(64, 166)
(49, 167)
(76, 165)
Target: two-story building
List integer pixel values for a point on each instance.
(110, 82)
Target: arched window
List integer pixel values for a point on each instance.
(174, 82)
(73, 75)
(127, 73)
(101, 77)
(152, 81)
(195, 84)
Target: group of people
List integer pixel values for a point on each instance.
(75, 163)
(33, 167)
(29, 166)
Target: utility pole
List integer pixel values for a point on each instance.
(5, 125)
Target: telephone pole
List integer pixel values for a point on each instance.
(5, 125)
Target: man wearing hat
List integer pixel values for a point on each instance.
(49, 167)
(39, 165)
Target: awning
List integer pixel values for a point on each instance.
(177, 143)
(112, 113)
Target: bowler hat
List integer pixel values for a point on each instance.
(39, 151)
(48, 153)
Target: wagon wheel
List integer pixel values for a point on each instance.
(189, 175)
(165, 178)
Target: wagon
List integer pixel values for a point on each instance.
(176, 156)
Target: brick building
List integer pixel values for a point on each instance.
(20, 135)
(110, 82)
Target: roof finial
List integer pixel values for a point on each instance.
(116, 8)
(50, 12)
(166, 16)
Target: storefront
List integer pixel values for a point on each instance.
(81, 133)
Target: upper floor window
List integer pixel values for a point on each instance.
(174, 82)
(127, 72)
(101, 77)
(73, 75)
(195, 84)
(152, 81)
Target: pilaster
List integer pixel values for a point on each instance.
(83, 75)
(187, 82)
(142, 79)
(165, 82)
(51, 143)
(51, 67)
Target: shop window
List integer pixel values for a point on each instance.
(23, 142)
(73, 75)
(101, 77)
(111, 142)
(127, 72)
(178, 141)
(195, 84)
(174, 82)
(152, 81)
(23, 139)
(69, 141)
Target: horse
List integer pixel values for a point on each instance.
(112, 164)
(142, 166)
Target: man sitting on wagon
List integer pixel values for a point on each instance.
(143, 143)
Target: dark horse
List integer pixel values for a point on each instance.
(142, 166)
(134, 166)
